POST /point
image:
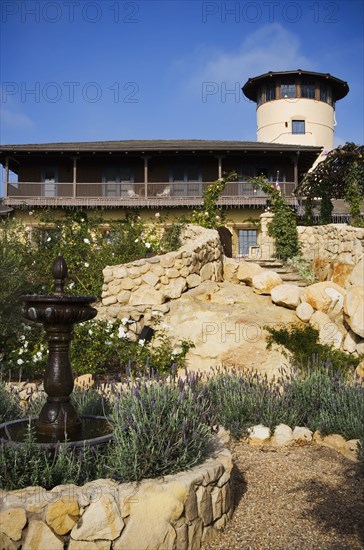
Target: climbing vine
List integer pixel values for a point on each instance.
(339, 176)
(211, 215)
(283, 227)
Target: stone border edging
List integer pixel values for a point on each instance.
(176, 512)
(284, 436)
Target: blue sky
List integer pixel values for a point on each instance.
(106, 70)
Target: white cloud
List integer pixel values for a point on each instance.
(12, 119)
(271, 48)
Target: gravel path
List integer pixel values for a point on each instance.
(300, 498)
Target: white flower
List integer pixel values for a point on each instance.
(206, 213)
(90, 332)
(86, 241)
(217, 218)
(174, 352)
(136, 240)
(71, 285)
(141, 342)
(31, 213)
(20, 361)
(39, 354)
(22, 337)
(157, 215)
(148, 245)
(49, 239)
(20, 351)
(82, 219)
(124, 320)
(121, 333)
(86, 264)
(157, 313)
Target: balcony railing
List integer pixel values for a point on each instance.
(134, 194)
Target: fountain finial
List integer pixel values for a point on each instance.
(60, 272)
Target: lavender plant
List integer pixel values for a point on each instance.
(160, 429)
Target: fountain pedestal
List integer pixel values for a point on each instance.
(58, 419)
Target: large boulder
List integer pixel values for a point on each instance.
(329, 332)
(354, 309)
(340, 273)
(264, 282)
(286, 295)
(356, 277)
(325, 296)
(246, 271)
(230, 268)
(304, 311)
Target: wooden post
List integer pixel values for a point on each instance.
(6, 176)
(146, 176)
(295, 170)
(220, 167)
(74, 180)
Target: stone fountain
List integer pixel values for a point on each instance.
(58, 420)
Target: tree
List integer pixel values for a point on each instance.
(339, 176)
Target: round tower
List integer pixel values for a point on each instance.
(296, 107)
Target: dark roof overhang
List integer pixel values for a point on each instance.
(250, 88)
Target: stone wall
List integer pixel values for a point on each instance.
(133, 289)
(333, 247)
(174, 512)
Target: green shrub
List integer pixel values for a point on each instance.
(160, 429)
(303, 343)
(325, 400)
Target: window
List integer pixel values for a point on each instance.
(298, 126)
(185, 172)
(118, 181)
(270, 92)
(325, 94)
(308, 89)
(186, 180)
(288, 90)
(246, 239)
(49, 177)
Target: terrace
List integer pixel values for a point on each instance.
(148, 174)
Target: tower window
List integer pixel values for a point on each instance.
(308, 89)
(298, 126)
(325, 94)
(288, 90)
(270, 92)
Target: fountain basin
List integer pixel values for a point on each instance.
(94, 430)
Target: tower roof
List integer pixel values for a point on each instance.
(340, 87)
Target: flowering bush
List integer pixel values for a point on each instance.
(88, 246)
(100, 347)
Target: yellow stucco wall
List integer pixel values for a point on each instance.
(273, 116)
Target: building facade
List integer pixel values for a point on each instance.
(295, 122)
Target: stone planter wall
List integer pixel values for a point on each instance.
(175, 512)
(334, 245)
(131, 290)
